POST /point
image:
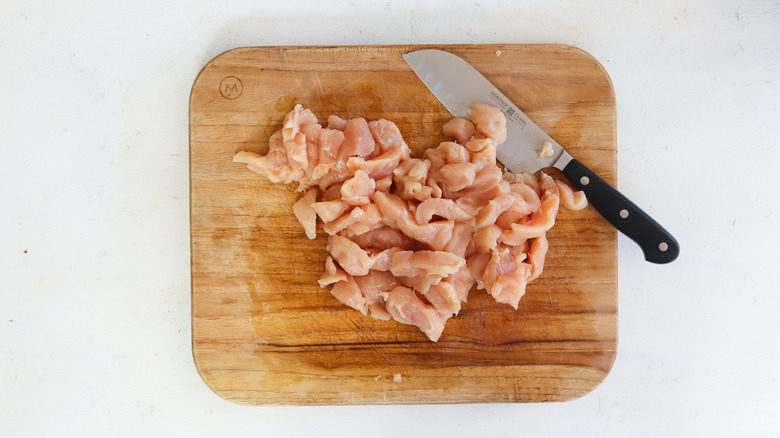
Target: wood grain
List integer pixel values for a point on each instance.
(263, 332)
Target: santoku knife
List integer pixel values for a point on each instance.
(458, 85)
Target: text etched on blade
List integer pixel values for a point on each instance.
(509, 111)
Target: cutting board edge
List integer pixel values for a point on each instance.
(404, 399)
(406, 47)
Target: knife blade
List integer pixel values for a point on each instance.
(458, 85)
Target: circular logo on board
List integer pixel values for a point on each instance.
(231, 87)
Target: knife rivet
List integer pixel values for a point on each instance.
(663, 246)
(584, 180)
(624, 213)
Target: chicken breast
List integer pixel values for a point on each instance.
(410, 237)
(488, 121)
(305, 213)
(460, 129)
(407, 308)
(358, 140)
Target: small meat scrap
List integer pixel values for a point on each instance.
(546, 150)
(410, 237)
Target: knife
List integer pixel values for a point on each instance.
(458, 85)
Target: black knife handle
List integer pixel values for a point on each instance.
(657, 244)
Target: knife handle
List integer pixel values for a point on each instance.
(657, 244)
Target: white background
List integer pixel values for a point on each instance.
(94, 214)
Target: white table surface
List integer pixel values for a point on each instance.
(94, 215)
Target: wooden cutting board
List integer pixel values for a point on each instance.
(263, 332)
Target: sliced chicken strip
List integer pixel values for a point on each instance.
(305, 213)
(407, 308)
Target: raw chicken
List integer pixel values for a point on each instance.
(460, 129)
(357, 189)
(305, 213)
(358, 140)
(570, 199)
(488, 121)
(407, 308)
(409, 237)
